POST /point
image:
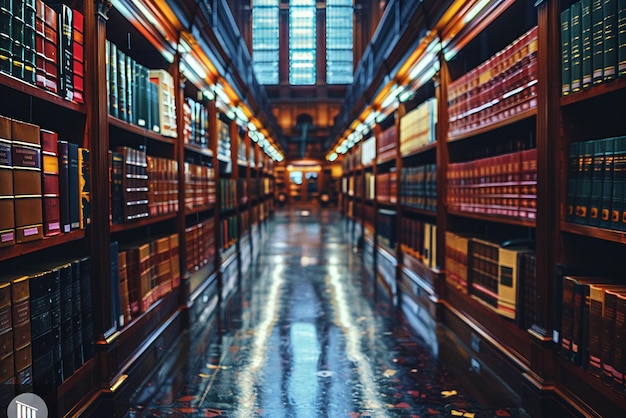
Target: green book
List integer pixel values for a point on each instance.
(607, 178)
(597, 179)
(572, 180)
(575, 39)
(597, 40)
(565, 53)
(121, 86)
(113, 102)
(587, 68)
(610, 39)
(583, 193)
(619, 181)
(621, 37)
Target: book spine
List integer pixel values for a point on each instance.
(607, 187)
(27, 179)
(117, 319)
(608, 335)
(619, 345)
(77, 314)
(572, 180)
(74, 190)
(7, 197)
(117, 188)
(587, 67)
(121, 86)
(51, 191)
(78, 57)
(6, 41)
(64, 185)
(610, 39)
(597, 40)
(66, 275)
(84, 187)
(124, 296)
(583, 193)
(22, 354)
(619, 182)
(621, 37)
(65, 27)
(597, 182)
(129, 82)
(596, 308)
(575, 30)
(113, 80)
(86, 308)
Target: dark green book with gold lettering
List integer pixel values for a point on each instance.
(565, 53)
(575, 39)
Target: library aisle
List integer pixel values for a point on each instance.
(303, 337)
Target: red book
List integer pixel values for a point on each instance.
(78, 56)
(46, 47)
(51, 193)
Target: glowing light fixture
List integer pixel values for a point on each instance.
(473, 12)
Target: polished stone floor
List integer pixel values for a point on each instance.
(305, 335)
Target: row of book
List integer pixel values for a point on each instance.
(593, 327)
(141, 274)
(162, 185)
(200, 244)
(200, 186)
(196, 126)
(353, 159)
(368, 151)
(500, 276)
(387, 144)
(419, 239)
(129, 184)
(44, 183)
(46, 331)
(387, 186)
(596, 182)
(418, 187)
(503, 185)
(593, 43)
(44, 45)
(500, 88)
(139, 95)
(418, 127)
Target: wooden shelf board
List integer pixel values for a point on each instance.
(199, 150)
(595, 232)
(16, 250)
(138, 130)
(417, 211)
(428, 147)
(493, 218)
(494, 125)
(142, 222)
(16, 84)
(594, 91)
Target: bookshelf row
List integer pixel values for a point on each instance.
(114, 205)
(504, 220)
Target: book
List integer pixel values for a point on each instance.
(584, 181)
(74, 188)
(82, 292)
(117, 318)
(610, 39)
(67, 325)
(618, 217)
(113, 80)
(621, 37)
(130, 82)
(608, 332)
(587, 68)
(29, 53)
(51, 190)
(175, 260)
(84, 188)
(20, 304)
(7, 197)
(65, 48)
(575, 46)
(606, 199)
(572, 180)
(78, 57)
(124, 296)
(597, 40)
(597, 182)
(27, 179)
(121, 85)
(165, 100)
(618, 360)
(6, 42)
(64, 185)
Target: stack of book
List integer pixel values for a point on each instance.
(45, 183)
(386, 186)
(387, 144)
(200, 240)
(162, 185)
(417, 127)
(503, 185)
(418, 187)
(595, 183)
(129, 184)
(196, 128)
(151, 271)
(419, 239)
(200, 186)
(593, 329)
(498, 89)
(593, 44)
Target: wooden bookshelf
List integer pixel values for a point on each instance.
(17, 250)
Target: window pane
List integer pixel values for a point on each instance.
(265, 40)
(339, 27)
(302, 41)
